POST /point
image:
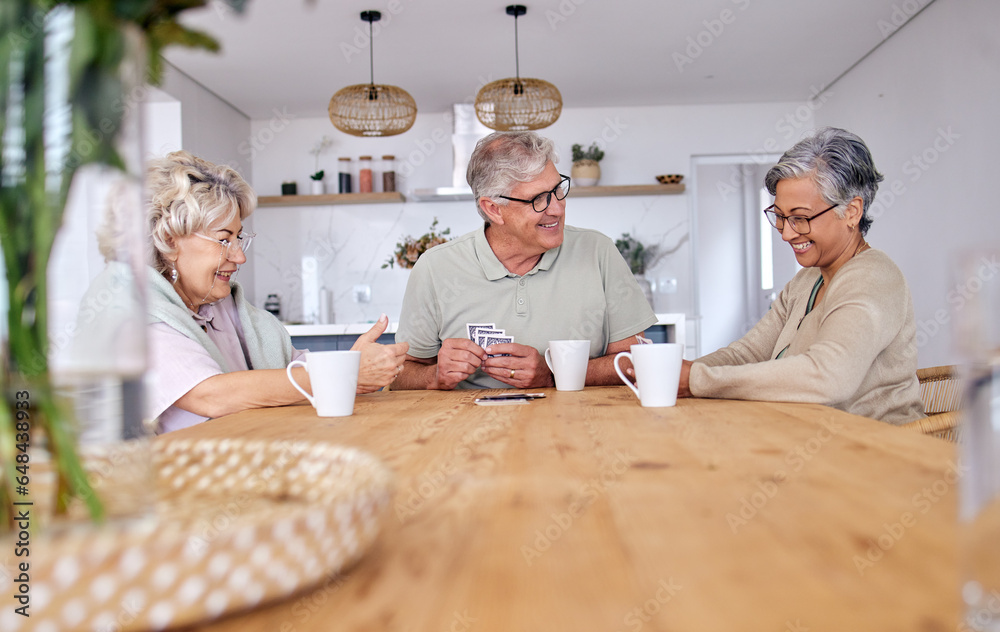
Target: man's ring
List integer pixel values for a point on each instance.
(512, 374)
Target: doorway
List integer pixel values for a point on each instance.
(740, 261)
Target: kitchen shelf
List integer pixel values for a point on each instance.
(444, 195)
(331, 198)
(627, 189)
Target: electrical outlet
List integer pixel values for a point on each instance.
(362, 293)
(667, 285)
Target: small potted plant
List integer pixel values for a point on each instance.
(409, 250)
(639, 258)
(316, 186)
(586, 170)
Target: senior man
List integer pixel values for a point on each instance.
(523, 271)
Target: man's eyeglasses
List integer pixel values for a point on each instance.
(800, 223)
(243, 241)
(541, 201)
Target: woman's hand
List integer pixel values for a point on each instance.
(380, 364)
(684, 386)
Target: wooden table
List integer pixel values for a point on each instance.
(585, 512)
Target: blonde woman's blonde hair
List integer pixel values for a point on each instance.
(189, 195)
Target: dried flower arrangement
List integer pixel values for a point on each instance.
(409, 250)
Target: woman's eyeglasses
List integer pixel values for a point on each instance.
(541, 201)
(800, 223)
(243, 241)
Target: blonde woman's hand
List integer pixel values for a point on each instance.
(380, 364)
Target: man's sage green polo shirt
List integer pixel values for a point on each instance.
(582, 289)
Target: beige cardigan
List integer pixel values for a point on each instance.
(855, 351)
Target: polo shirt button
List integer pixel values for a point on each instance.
(520, 301)
(521, 282)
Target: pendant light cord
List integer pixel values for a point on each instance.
(371, 52)
(517, 60)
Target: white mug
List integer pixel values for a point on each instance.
(567, 359)
(334, 379)
(657, 372)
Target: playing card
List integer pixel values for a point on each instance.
(497, 340)
(481, 335)
(472, 328)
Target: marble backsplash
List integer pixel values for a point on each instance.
(299, 251)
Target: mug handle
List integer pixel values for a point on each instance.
(618, 370)
(288, 371)
(548, 361)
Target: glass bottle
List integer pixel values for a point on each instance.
(344, 174)
(365, 174)
(388, 173)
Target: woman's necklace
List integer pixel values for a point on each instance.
(861, 247)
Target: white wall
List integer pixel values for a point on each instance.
(210, 128)
(926, 104)
(349, 243)
(640, 142)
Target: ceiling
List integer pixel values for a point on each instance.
(294, 54)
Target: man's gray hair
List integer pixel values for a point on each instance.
(503, 159)
(190, 195)
(839, 163)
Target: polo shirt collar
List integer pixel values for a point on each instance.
(495, 270)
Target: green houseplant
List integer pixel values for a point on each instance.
(636, 255)
(586, 171)
(90, 88)
(317, 176)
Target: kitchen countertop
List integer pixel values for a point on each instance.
(354, 329)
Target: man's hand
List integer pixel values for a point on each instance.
(380, 364)
(522, 367)
(457, 359)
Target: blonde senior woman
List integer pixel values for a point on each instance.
(842, 332)
(211, 352)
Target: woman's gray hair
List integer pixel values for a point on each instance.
(503, 159)
(189, 195)
(839, 163)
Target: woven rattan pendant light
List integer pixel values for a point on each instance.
(367, 109)
(516, 104)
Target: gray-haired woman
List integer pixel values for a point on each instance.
(842, 332)
(211, 352)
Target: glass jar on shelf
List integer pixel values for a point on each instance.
(388, 173)
(365, 174)
(344, 174)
